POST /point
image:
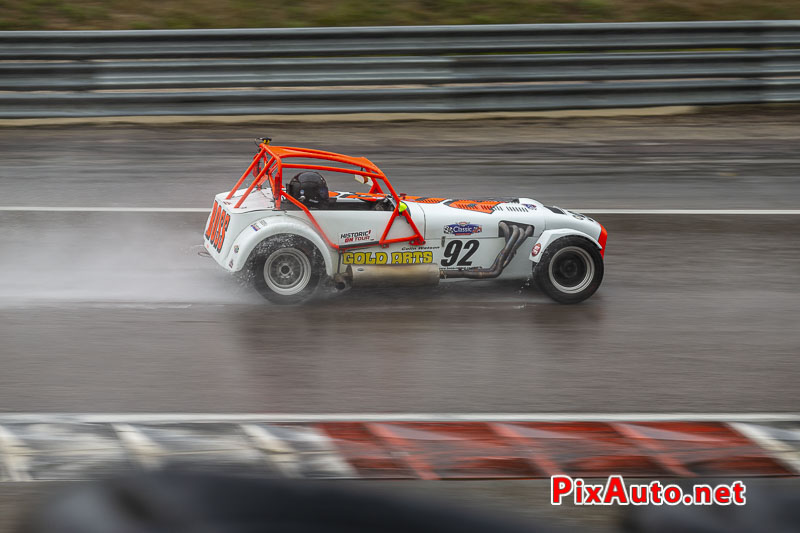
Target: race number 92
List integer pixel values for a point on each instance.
(217, 227)
(459, 252)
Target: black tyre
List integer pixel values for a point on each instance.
(570, 270)
(286, 269)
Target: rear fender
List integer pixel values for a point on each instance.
(249, 238)
(548, 236)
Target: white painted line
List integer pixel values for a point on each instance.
(279, 452)
(161, 418)
(147, 452)
(779, 450)
(15, 455)
(598, 211)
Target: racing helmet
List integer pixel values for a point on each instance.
(310, 189)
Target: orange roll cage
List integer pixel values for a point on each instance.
(268, 165)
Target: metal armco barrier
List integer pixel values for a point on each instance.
(397, 69)
(69, 447)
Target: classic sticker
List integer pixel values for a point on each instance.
(386, 258)
(463, 229)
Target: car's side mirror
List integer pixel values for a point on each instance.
(363, 179)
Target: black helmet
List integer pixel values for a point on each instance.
(310, 189)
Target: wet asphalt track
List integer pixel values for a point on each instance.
(744, 158)
(689, 318)
(117, 313)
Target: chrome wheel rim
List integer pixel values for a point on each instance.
(287, 271)
(571, 269)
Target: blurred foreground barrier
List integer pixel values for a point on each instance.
(397, 69)
(67, 447)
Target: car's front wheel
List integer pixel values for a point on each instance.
(286, 269)
(571, 270)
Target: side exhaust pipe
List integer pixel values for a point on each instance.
(391, 275)
(514, 236)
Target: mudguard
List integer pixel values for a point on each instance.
(548, 236)
(249, 238)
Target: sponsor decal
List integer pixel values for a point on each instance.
(236, 249)
(355, 236)
(577, 215)
(217, 226)
(387, 258)
(463, 228)
(230, 263)
(255, 227)
(530, 206)
(536, 249)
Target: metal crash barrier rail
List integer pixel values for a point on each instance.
(397, 69)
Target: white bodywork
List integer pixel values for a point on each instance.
(455, 237)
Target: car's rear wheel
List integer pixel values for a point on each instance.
(571, 270)
(286, 269)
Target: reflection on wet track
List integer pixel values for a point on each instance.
(690, 317)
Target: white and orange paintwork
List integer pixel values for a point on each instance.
(414, 231)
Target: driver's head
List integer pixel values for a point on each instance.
(310, 189)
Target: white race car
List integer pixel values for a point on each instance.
(289, 233)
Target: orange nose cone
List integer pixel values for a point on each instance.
(602, 240)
